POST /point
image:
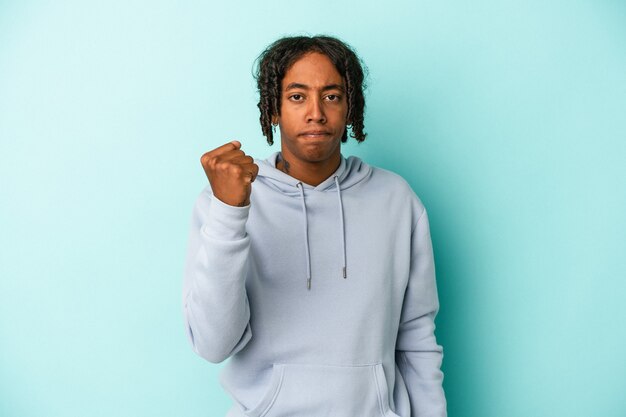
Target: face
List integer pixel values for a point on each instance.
(313, 110)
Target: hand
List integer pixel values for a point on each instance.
(231, 173)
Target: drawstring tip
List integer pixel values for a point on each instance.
(344, 273)
(308, 283)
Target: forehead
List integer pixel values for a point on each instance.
(313, 69)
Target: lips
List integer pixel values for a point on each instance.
(315, 133)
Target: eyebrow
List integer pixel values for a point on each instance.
(293, 86)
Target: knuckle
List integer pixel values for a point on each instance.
(213, 162)
(223, 166)
(235, 169)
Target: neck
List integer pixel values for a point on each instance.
(312, 173)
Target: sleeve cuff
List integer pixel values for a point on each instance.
(225, 222)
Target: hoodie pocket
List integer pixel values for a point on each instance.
(325, 390)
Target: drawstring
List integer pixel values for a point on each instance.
(306, 238)
(306, 232)
(343, 227)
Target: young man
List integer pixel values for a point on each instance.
(312, 272)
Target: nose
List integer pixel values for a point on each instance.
(315, 111)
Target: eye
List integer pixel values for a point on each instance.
(296, 97)
(333, 97)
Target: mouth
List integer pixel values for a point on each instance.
(315, 133)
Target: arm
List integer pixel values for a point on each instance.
(215, 305)
(418, 355)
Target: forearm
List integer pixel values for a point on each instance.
(419, 360)
(216, 308)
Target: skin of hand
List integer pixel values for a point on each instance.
(231, 173)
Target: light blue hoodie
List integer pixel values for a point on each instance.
(323, 298)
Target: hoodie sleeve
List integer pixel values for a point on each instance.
(215, 304)
(418, 355)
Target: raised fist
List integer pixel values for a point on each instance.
(231, 173)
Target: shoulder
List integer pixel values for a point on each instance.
(398, 187)
(391, 178)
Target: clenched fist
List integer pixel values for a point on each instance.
(231, 173)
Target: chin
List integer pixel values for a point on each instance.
(317, 155)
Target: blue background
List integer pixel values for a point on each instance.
(506, 117)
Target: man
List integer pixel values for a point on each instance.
(312, 272)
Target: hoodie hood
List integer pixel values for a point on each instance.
(351, 171)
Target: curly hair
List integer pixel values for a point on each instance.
(279, 56)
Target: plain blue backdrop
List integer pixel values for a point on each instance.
(506, 117)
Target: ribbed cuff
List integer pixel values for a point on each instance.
(226, 222)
